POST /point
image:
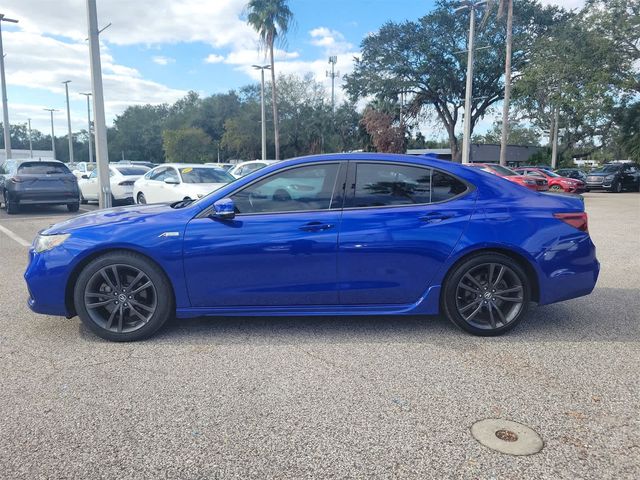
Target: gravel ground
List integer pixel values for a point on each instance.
(326, 397)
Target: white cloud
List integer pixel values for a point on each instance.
(42, 63)
(331, 40)
(161, 60)
(213, 58)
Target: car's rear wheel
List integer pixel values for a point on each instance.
(73, 207)
(83, 200)
(487, 294)
(11, 207)
(123, 296)
(141, 198)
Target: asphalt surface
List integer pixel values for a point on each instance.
(298, 398)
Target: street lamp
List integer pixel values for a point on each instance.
(88, 95)
(53, 137)
(262, 68)
(472, 6)
(66, 89)
(5, 105)
(30, 139)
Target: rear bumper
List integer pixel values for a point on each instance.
(43, 197)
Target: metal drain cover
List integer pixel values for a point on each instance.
(506, 436)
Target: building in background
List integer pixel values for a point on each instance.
(485, 153)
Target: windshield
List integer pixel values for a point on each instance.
(606, 168)
(43, 168)
(550, 173)
(205, 175)
(503, 170)
(127, 171)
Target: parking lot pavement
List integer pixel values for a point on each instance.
(297, 398)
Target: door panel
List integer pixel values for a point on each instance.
(389, 255)
(279, 250)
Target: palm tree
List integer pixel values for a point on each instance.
(271, 19)
(502, 6)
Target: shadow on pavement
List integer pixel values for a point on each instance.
(606, 315)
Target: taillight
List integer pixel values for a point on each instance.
(126, 183)
(576, 220)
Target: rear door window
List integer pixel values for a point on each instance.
(42, 168)
(382, 185)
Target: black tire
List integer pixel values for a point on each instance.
(556, 188)
(122, 326)
(142, 200)
(492, 314)
(73, 207)
(11, 207)
(83, 200)
(616, 187)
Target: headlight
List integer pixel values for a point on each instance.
(42, 243)
(609, 177)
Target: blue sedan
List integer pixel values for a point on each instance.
(341, 234)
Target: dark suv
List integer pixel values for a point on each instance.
(615, 177)
(572, 173)
(29, 182)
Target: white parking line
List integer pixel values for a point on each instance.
(14, 236)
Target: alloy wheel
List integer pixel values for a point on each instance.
(120, 298)
(489, 296)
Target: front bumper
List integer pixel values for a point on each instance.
(47, 276)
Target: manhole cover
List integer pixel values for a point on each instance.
(506, 436)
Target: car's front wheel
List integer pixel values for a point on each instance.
(556, 188)
(617, 187)
(123, 296)
(141, 199)
(487, 294)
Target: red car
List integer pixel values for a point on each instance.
(555, 181)
(532, 183)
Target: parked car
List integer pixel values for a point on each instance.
(121, 179)
(615, 177)
(556, 182)
(572, 173)
(179, 181)
(245, 168)
(82, 169)
(33, 182)
(382, 235)
(225, 166)
(136, 163)
(532, 183)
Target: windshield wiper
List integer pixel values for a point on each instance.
(181, 203)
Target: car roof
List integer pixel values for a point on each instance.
(187, 165)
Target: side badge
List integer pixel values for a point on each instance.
(169, 234)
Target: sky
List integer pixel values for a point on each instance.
(155, 51)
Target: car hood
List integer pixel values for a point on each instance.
(601, 174)
(113, 217)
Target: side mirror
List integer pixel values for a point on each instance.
(171, 181)
(224, 209)
(85, 176)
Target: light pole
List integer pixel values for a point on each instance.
(30, 139)
(53, 137)
(472, 6)
(88, 95)
(5, 104)
(102, 153)
(262, 68)
(66, 89)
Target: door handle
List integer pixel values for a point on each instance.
(435, 217)
(316, 226)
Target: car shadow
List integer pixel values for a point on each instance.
(609, 314)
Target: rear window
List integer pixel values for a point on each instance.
(42, 168)
(205, 175)
(379, 185)
(132, 170)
